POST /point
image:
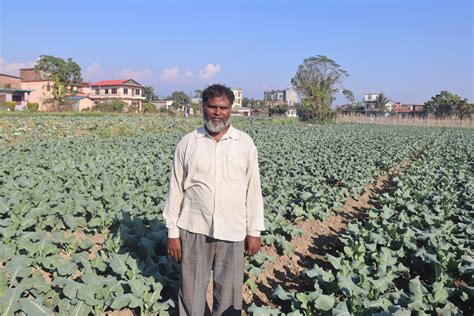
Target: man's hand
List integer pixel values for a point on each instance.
(174, 249)
(252, 245)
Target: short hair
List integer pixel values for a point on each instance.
(217, 90)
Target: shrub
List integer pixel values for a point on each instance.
(110, 106)
(10, 105)
(33, 107)
(150, 108)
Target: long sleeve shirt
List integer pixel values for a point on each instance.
(215, 187)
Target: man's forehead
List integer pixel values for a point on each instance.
(218, 100)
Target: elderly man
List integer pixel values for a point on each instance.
(214, 210)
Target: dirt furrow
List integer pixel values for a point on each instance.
(319, 239)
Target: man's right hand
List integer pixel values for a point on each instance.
(174, 248)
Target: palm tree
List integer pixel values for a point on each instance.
(381, 101)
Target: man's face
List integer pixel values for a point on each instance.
(217, 114)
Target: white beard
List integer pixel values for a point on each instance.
(216, 126)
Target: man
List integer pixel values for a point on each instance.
(214, 210)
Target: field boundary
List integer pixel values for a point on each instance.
(406, 121)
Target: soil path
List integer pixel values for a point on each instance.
(319, 239)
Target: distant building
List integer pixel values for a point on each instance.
(41, 88)
(10, 91)
(241, 111)
(80, 102)
(238, 98)
(370, 101)
(408, 110)
(127, 90)
(279, 97)
(159, 104)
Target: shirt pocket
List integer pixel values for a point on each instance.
(233, 167)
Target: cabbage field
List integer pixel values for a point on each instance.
(81, 228)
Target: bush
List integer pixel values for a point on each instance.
(110, 106)
(150, 108)
(33, 107)
(10, 105)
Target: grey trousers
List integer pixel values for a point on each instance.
(201, 254)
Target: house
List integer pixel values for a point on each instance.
(291, 113)
(11, 91)
(238, 98)
(409, 110)
(41, 88)
(370, 101)
(127, 90)
(279, 97)
(162, 104)
(80, 102)
(241, 111)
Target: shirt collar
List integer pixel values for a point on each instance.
(231, 133)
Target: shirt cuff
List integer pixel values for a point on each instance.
(254, 233)
(173, 232)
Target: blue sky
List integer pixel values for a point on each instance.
(408, 49)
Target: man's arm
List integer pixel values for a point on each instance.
(254, 204)
(173, 204)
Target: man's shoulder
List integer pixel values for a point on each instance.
(243, 135)
(187, 139)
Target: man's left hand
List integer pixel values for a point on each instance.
(252, 245)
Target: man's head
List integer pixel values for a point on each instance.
(217, 104)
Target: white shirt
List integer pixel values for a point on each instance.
(215, 187)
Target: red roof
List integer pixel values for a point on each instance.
(110, 82)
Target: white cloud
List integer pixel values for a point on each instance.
(94, 70)
(13, 68)
(136, 74)
(210, 70)
(189, 74)
(169, 74)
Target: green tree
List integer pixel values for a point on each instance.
(380, 102)
(445, 104)
(149, 93)
(317, 79)
(198, 93)
(464, 109)
(348, 95)
(62, 72)
(180, 99)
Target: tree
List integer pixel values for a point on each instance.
(445, 103)
(198, 93)
(317, 79)
(62, 73)
(348, 95)
(380, 102)
(180, 99)
(464, 109)
(149, 93)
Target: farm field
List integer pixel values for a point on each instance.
(81, 228)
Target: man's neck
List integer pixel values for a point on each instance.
(217, 136)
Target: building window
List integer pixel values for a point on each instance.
(114, 91)
(106, 91)
(125, 90)
(97, 91)
(138, 92)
